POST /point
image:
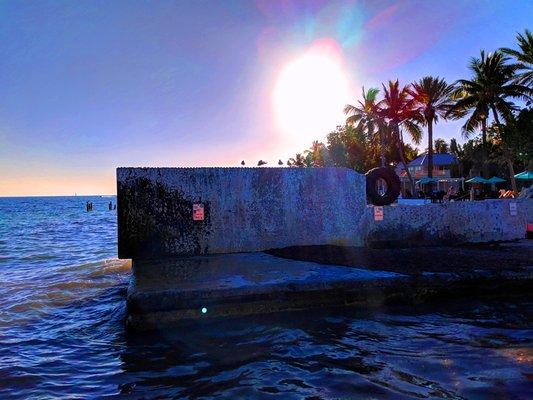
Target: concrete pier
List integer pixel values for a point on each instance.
(196, 237)
(218, 286)
(256, 209)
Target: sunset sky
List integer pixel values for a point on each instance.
(86, 86)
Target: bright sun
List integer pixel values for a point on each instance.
(309, 96)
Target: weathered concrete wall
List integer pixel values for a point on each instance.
(448, 223)
(246, 209)
(255, 209)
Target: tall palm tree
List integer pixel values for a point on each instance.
(489, 91)
(524, 58)
(432, 97)
(399, 111)
(315, 153)
(367, 117)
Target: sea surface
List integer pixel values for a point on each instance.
(62, 334)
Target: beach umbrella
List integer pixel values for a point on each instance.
(426, 179)
(495, 179)
(477, 179)
(524, 175)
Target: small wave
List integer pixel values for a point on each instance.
(112, 266)
(65, 286)
(38, 257)
(109, 265)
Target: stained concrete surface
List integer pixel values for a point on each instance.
(256, 209)
(246, 209)
(173, 282)
(449, 223)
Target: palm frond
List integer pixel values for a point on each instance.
(414, 130)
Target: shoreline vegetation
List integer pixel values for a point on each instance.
(498, 131)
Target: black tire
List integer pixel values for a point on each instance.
(393, 186)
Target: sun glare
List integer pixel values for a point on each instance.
(309, 96)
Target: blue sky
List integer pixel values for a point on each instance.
(86, 86)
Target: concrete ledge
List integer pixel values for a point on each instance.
(191, 283)
(175, 290)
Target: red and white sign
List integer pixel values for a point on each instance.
(378, 213)
(197, 212)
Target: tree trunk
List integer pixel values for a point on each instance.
(511, 172)
(430, 148)
(401, 150)
(507, 153)
(430, 154)
(382, 147)
(484, 148)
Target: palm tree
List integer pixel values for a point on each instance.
(524, 58)
(315, 154)
(458, 152)
(297, 161)
(366, 115)
(432, 97)
(489, 90)
(398, 109)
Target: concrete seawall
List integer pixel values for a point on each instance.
(256, 209)
(449, 223)
(177, 224)
(245, 209)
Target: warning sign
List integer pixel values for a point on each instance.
(198, 212)
(378, 213)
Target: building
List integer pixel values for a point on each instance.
(443, 172)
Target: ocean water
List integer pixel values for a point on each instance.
(62, 334)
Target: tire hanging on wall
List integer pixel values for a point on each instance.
(393, 186)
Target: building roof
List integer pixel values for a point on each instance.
(438, 159)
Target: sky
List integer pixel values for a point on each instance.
(88, 86)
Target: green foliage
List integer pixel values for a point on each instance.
(523, 57)
(441, 146)
(432, 98)
(348, 147)
(517, 137)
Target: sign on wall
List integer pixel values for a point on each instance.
(378, 213)
(197, 212)
(512, 209)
